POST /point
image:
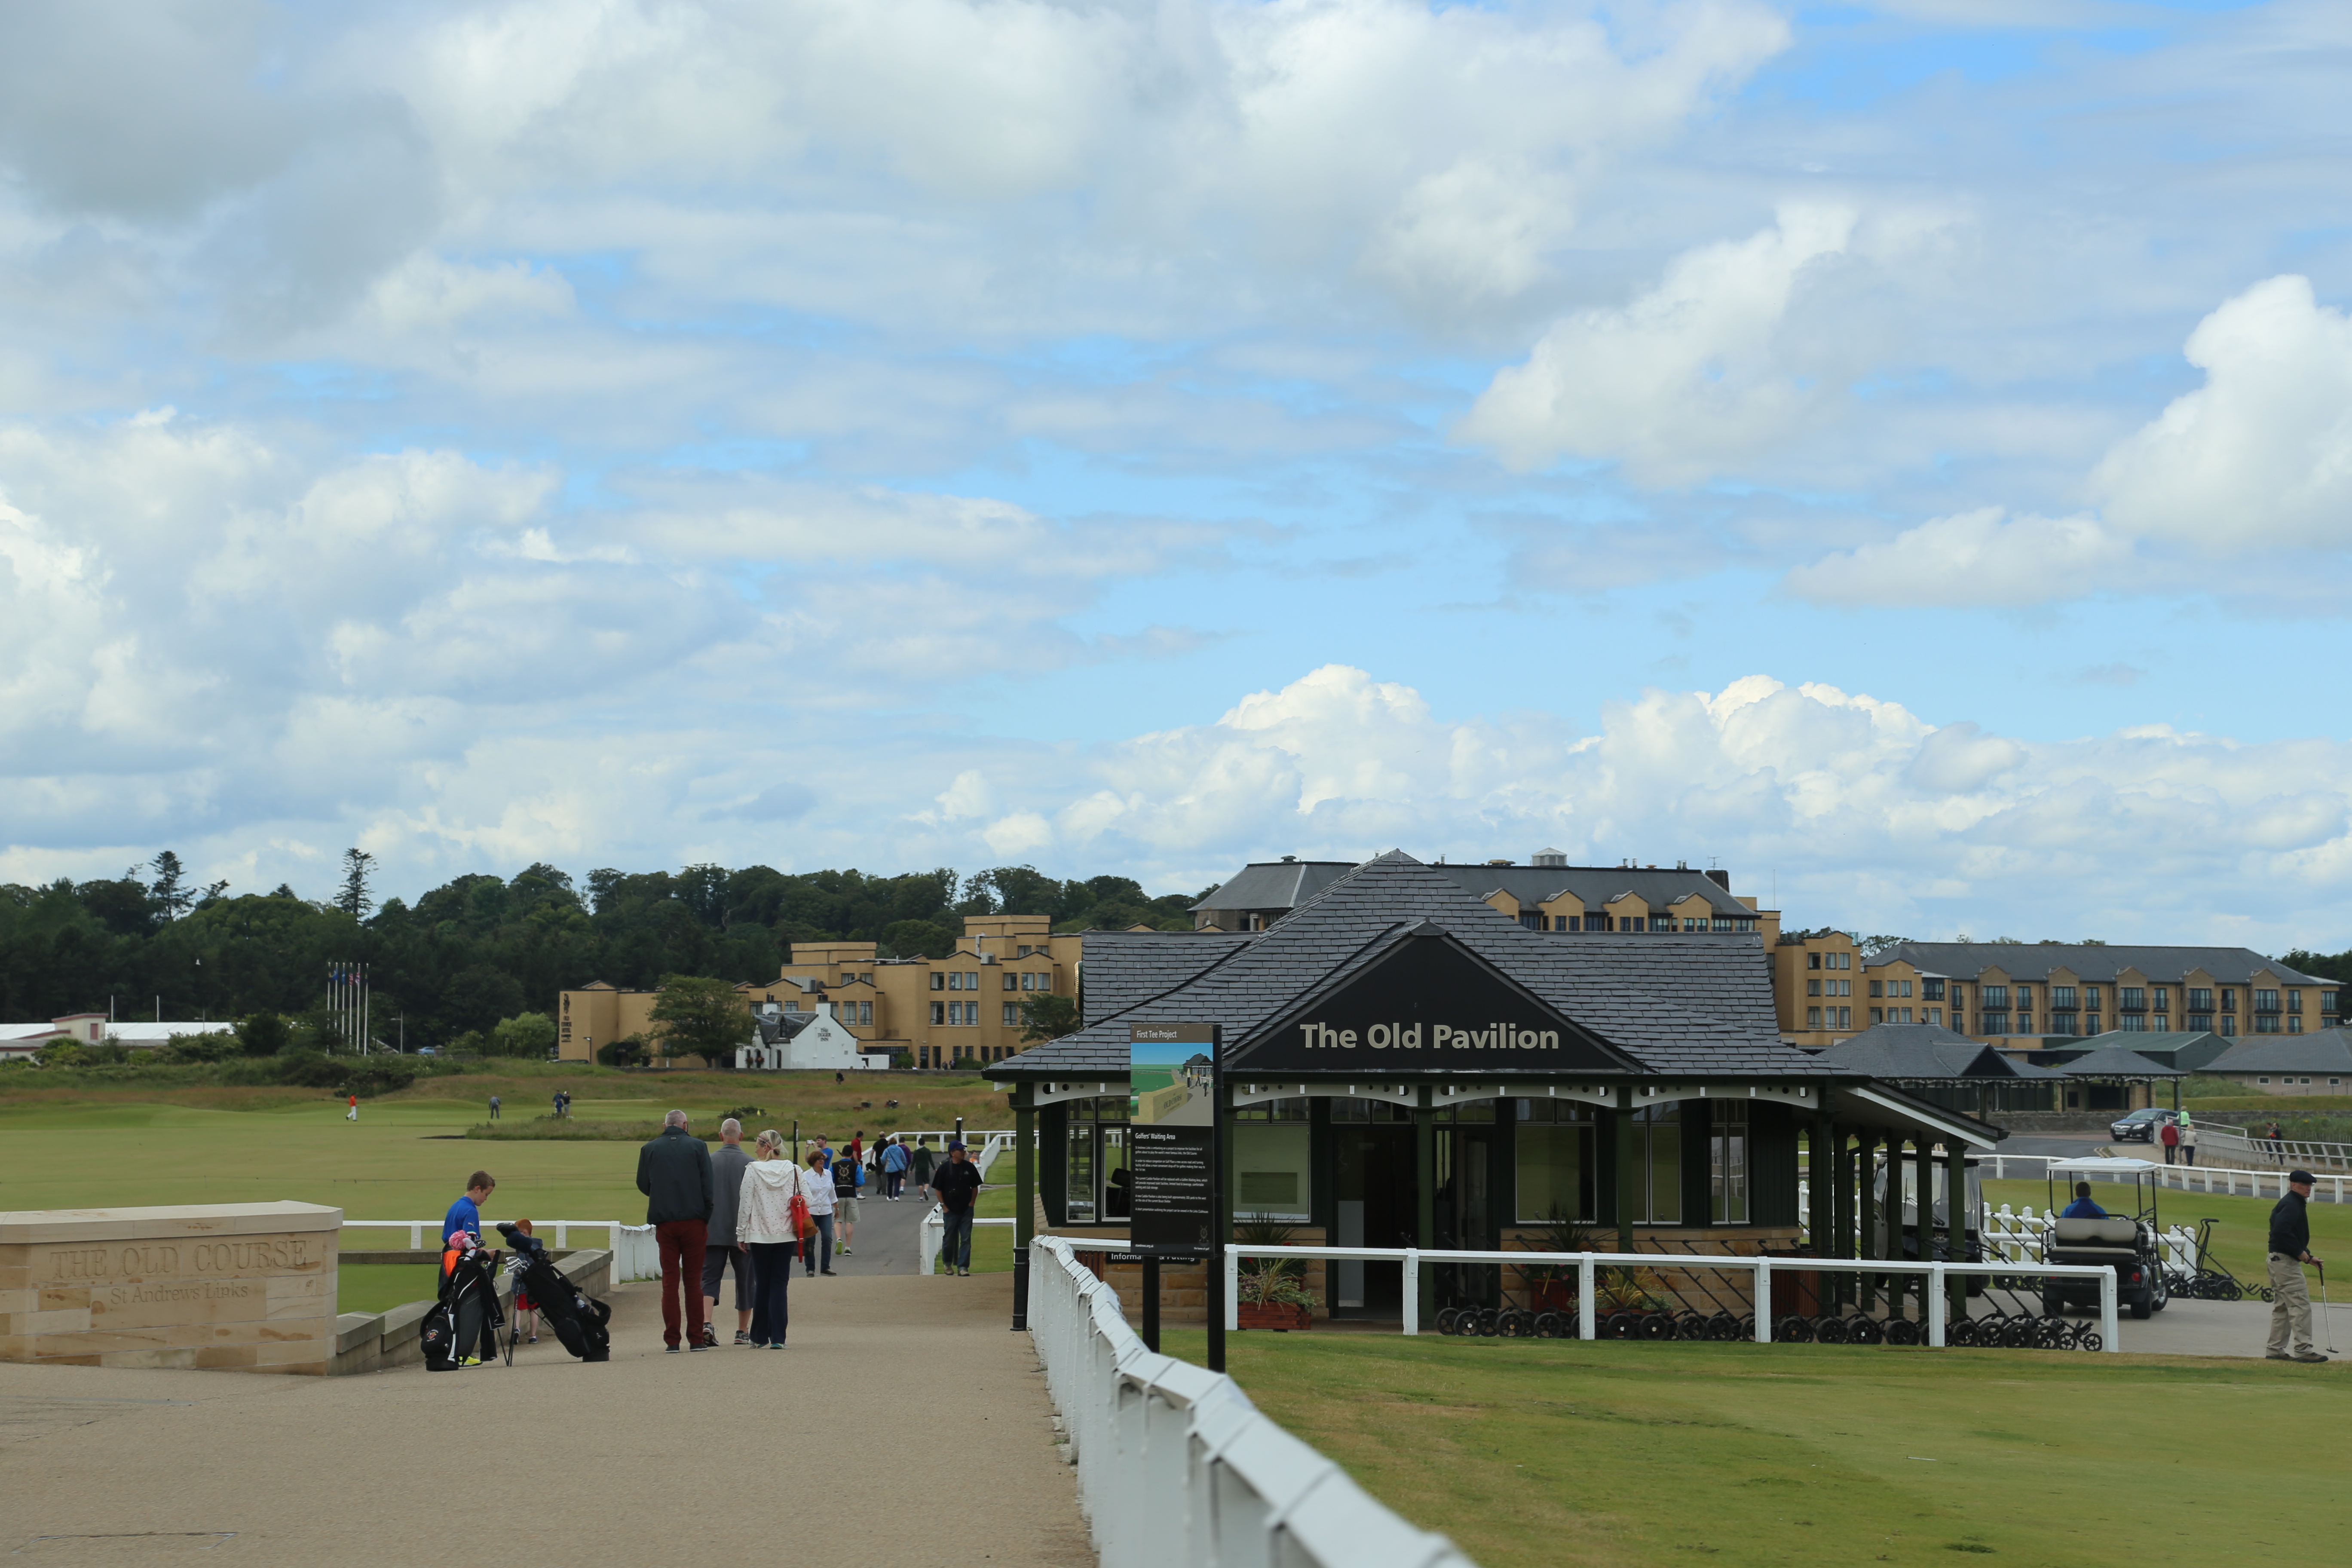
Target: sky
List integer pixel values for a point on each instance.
(1901, 453)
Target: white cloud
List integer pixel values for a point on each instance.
(1981, 557)
(1678, 384)
(2259, 458)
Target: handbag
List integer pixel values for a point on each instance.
(801, 1222)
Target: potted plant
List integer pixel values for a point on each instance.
(1552, 1287)
(1273, 1293)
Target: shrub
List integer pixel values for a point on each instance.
(191, 1048)
(263, 1035)
(524, 1034)
(623, 1053)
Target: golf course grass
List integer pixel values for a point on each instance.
(407, 1155)
(1630, 1453)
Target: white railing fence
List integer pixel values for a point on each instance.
(934, 1232)
(1177, 1467)
(1589, 1264)
(2220, 1180)
(2238, 1144)
(635, 1254)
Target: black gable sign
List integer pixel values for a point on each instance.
(1429, 1004)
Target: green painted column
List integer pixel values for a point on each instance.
(1424, 1221)
(1025, 1168)
(1625, 1183)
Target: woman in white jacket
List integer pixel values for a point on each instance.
(764, 1222)
(816, 1252)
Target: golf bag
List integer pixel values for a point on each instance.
(577, 1318)
(465, 1320)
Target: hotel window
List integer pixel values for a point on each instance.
(2131, 999)
(2161, 1024)
(1931, 990)
(2294, 1001)
(2201, 999)
(1727, 1163)
(2197, 1023)
(2062, 996)
(1878, 988)
(2294, 1023)
(1812, 1017)
(1012, 980)
(865, 1012)
(1995, 996)
(2065, 1022)
(1554, 1156)
(1878, 1014)
(1658, 1164)
(938, 1010)
(1845, 1017)
(1812, 961)
(2091, 998)
(2228, 1001)
(1992, 1023)
(1012, 1013)
(1813, 988)
(2227, 1024)
(2266, 1002)
(2266, 1023)
(2132, 1023)
(1934, 1015)
(938, 980)
(2025, 1023)
(2164, 998)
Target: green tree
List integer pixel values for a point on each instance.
(915, 939)
(263, 1034)
(524, 1034)
(170, 889)
(355, 898)
(701, 1016)
(1047, 1015)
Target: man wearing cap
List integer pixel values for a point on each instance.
(2290, 1250)
(958, 1185)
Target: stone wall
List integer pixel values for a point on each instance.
(245, 1287)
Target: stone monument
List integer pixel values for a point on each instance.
(246, 1287)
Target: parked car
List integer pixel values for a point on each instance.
(428, 1050)
(2140, 1126)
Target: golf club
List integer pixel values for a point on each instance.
(2326, 1318)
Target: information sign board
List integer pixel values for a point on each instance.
(1171, 1139)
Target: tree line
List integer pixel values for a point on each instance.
(481, 951)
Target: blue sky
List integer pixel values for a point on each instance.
(1900, 452)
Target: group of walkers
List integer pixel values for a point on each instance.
(713, 1211)
(2179, 1139)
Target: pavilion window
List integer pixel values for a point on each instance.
(1658, 1164)
(1554, 1159)
(1272, 1160)
(1727, 1163)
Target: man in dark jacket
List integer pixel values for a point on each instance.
(958, 1185)
(674, 1173)
(2290, 1249)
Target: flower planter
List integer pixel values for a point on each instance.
(1279, 1316)
(1554, 1295)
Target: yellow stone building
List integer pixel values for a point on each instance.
(936, 1010)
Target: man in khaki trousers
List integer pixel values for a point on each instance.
(2290, 1249)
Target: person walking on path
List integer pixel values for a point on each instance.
(2170, 1137)
(722, 1246)
(957, 1184)
(763, 1224)
(674, 1173)
(353, 1113)
(816, 1254)
(2290, 1292)
(848, 1175)
(2188, 1139)
(921, 1165)
(494, 1108)
(894, 1168)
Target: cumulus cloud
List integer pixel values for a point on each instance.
(1681, 381)
(2259, 458)
(1980, 557)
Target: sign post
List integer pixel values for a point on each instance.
(1173, 1148)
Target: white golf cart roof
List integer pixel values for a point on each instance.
(2110, 1165)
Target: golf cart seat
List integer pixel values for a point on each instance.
(2094, 1240)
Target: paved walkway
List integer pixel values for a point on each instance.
(2217, 1329)
(724, 1456)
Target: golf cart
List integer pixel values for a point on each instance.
(2125, 1242)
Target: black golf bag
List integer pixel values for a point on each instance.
(577, 1318)
(465, 1320)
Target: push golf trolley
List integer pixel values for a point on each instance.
(2205, 1278)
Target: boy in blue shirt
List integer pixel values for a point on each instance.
(465, 1215)
(2081, 1208)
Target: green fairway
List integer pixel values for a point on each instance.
(406, 1157)
(374, 1286)
(1631, 1453)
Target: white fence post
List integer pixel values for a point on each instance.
(1938, 1308)
(1411, 1290)
(1763, 1300)
(1231, 1264)
(933, 1231)
(2109, 1330)
(1586, 1294)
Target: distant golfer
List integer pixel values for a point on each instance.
(353, 1113)
(494, 1108)
(2081, 1208)
(2290, 1294)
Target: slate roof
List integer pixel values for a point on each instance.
(2114, 1061)
(1595, 886)
(2187, 1050)
(2327, 1051)
(782, 1025)
(1923, 1052)
(1702, 1004)
(2033, 961)
(1119, 969)
(1274, 884)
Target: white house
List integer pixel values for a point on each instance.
(782, 1040)
(17, 1040)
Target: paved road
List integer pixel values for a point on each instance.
(551, 1463)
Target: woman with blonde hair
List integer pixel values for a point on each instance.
(770, 1211)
